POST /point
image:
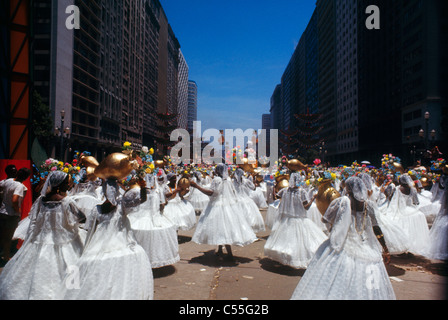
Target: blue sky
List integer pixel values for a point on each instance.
(237, 51)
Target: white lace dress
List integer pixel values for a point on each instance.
(223, 222)
(248, 206)
(295, 237)
(349, 265)
(51, 246)
(180, 211)
(153, 231)
(403, 209)
(197, 199)
(113, 266)
(438, 234)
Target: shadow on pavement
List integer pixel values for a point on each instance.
(163, 272)
(275, 267)
(210, 259)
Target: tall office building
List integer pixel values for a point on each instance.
(327, 72)
(192, 104)
(112, 76)
(182, 109)
(346, 77)
(85, 111)
(379, 90)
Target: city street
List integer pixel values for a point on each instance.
(201, 275)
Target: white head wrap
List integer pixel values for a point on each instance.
(111, 190)
(54, 179)
(358, 188)
(221, 170)
(406, 179)
(239, 173)
(367, 180)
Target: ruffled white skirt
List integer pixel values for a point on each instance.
(158, 237)
(272, 214)
(259, 198)
(250, 210)
(198, 200)
(294, 241)
(112, 267)
(335, 275)
(181, 213)
(223, 223)
(38, 269)
(438, 239)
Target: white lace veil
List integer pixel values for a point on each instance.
(54, 180)
(239, 173)
(295, 179)
(406, 179)
(357, 187)
(111, 190)
(367, 180)
(221, 170)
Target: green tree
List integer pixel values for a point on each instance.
(41, 122)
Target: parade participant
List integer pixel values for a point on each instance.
(197, 199)
(7, 222)
(397, 240)
(222, 223)
(403, 208)
(113, 266)
(177, 208)
(438, 234)
(153, 231)
(243, 188)
(52, 245)
(258, 193)
(295, 238)
(350, 264)
(14, 193)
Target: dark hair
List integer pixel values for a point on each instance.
(23, 174)
(11, 170)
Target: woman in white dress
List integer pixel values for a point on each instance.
(177, 208)
(198, 200)
(438, 234)
(52, 245)
(403, 208)
(397, 240)
(249, 208)
(222, 223)
(349, 265)
(296, 237)
(258, 194)
(154, 232)
(113, 266)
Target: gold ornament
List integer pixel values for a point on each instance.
(295, 165)
(281, 182)
(116, 166)
(159, 164)
(184, 185)
(325, 195)
(398, 167)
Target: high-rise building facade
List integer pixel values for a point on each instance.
(112, 76)
(182, 109)
(379, 90)
(192, 104)
(346, 77)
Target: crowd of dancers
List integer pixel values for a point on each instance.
(101, 238)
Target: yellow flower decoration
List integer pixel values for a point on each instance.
(127, 144)
(151, 151)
